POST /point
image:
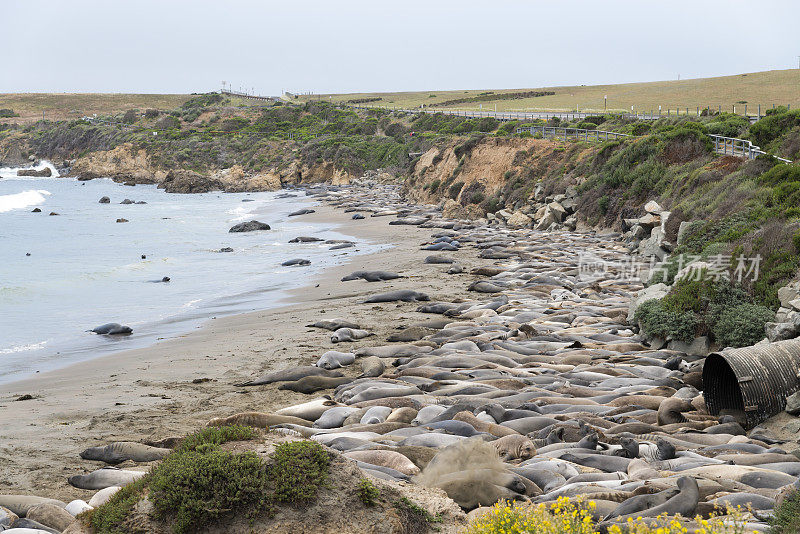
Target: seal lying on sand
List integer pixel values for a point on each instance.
(112, 329)
(119, 451)
(258, 420)
(333, 324)
(371, 276)
(310, 384)
(349, 334)
(301, 212)
(296, 261)
(334, 359)
(291, 374)
(105, 477)
(404, 295)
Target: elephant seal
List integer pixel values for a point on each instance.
(753, 501)
(447, 247)
(311, 410)
(112, 329)
(483, 286)
(103, 496)
(290, 375)
(471, 493)
(257, 420)
(544, 478)
(671, 410)
(684, 503)
(404, 295)
(349, 334)
(333, 324)
(305, 239)
(455, 268)
(391, 459)
(609, 464)
(371, 276)
(334, 359)
(77, 506)
(105, 477)
(119, 451)
(357, 216)
(638, 503)
(249, 226)
(296, 261)
(311, 384)
(375, 414)
(406, 414)
(334, 417)
(412, 333)
(301, 212)
(50, 515)
(371, 367)
(515, 448)
(438, 259)
(20, 504)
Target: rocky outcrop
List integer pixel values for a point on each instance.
(184, 181)
(787, 319)
(123, 163)
(249, 226)
(47, 172)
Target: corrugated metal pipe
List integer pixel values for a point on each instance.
(753, 380)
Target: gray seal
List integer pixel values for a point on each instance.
(334, 359)
(301, 212)
(404, 295)
(333, 324)
(290, 375)
(371, 276)
(684, 503)
(305, 239)
(112, 329)
(349, 334)
(104, 478)
(119, 451)
(310, 384)
(296, 261)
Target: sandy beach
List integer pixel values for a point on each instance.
(177, 385)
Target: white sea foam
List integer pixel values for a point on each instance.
(11, 172)
(22, 200)
(23, 348)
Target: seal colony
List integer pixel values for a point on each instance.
(529, 385)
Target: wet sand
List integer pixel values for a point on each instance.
(174, 387)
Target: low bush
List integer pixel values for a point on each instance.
(297, 470)
(455, 189)
(786, 517)
(367, 492)
(6, 113)
(741, 326)
(660, 321)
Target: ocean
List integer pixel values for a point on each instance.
(84, 269)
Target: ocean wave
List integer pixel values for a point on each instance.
(11, 172)
(22, 200)
(23, 348)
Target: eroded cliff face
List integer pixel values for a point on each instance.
(125, 163)
(471, 177)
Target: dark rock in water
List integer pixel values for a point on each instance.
(166, 279)
(248, 200)
(357, 216)
(122, 220)
(104, 200)
(296, 261)
(301, 212)
(140, 202)
(43, 173)
(127, 201)
(52, 213)
(36, 210)
(27, 253)
(249, 226)
(112, 329)
(226, 249)
(186, 181)
(304, 239)
(144, 257)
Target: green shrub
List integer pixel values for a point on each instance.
(110, 517)
(297, 470)
(657, 320)
(193, 489)
(7, 113)
(602, 204)
(435, 185)
(796, 240)
(455, 189)
(774, 125)
(493, 204)
(477, 197)
(367, 492)
(786, 517)
(741, 326)
(217, 435)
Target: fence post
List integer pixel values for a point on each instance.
(745, 110)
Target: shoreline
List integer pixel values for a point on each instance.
(175, 386)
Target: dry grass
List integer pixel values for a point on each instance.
(64, 106)
(779, 87)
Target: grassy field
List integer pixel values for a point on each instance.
(61, 106)
(779, 87)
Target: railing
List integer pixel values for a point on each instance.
(513, 115)
(578, 134)
(739, 147)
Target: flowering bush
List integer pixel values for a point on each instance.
(567, 516)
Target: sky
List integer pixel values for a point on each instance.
(183, 46)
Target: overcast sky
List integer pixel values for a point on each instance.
(182, 46)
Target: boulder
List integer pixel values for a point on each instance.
(37, 173)
(700, 346)
(649, 221)
(249, 226)
(655, 291)
(121, 220)
(127, 201)
(793, 404)
(519, 220)
(50, 515)
(653, 207)
(558, 211)
(787, 294)
(504, 214)
(782, 331)
(652, 245)
(682, 228)
(453, 210)
(185, 181)
(104, 200)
